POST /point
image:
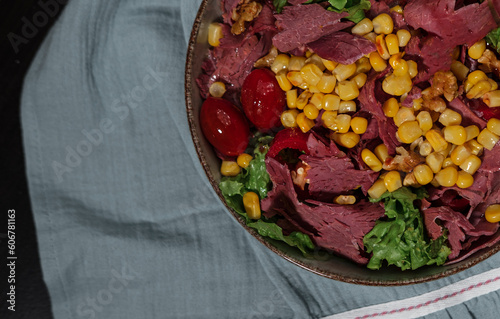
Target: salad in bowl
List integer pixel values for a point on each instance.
(364, 131)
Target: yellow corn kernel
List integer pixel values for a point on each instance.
(345, 200)
(214, 34)
(304, 123)
(381, 152)
(397, 9)
(447, 177)
(492, 98)
(329, 65)
(456, 53)
(359, 125)
(348, 140)
(477, 49)
(472, 131)
(331, 102)
(448, 162)
(296, 63)
(383, 24)
(359, 79)
(409, 132)
(289, 118)
(392, 43)
(311, 111)
(283, 81)
(488, 139)
(244, 160)
(479, 89)
(475, 147)
(344, 71)
(459, 70)
(392, 181)
(295, 78)
(291, 98)
(382, 47)
(230, 168)
(348, 90)
(455, 134)
(397, 85)
(317, 60)
(313, 89)
(303, 99)
(425, 148)
(377, 189)
(423, 174)
(492, 213)
(317, 100)
(280, 63)
(494, 84)
(473, 78)
(343, 123)
(308, 53)
(363, 27)
(401, 68)
(252, 205)
(217, 89)
(494, 126)
(404, 114)
(327, 83)
(412, 68)
(347, 107)
(404, 37)
(363, 65)
(435, 161)
(371, 36)
(417, 104)
(436, 139)
(311, 74)
(425, 121)
(329, 120)
(371, 160)
(460, 154)
(464, 179)
(471, 164)
(390, 107)
(450, 117)
(377, 63)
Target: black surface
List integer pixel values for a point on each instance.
(23, 25)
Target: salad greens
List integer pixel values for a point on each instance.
(255, 178)
(493, 39)
(400, 239)
(355, 8)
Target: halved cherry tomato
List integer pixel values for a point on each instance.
(262, 98)
(292, 138)
(224, 126)
(482, 110)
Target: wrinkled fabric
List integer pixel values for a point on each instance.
(127, 223)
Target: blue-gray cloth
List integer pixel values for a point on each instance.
(127, 223)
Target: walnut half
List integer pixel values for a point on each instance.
(246, 11)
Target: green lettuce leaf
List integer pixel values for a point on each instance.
(355, 8)
(279, 4)
(493, 38)
(400, 240)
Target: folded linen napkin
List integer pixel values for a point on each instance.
(127, 223)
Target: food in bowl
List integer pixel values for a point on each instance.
(366, 129)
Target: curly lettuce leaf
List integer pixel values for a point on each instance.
(493, 39)
(355, 8)
(279, 4)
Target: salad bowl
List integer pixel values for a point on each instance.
(320, 262)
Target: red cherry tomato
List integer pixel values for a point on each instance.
(262, 98)
(224, 126)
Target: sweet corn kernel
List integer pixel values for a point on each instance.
(244, 160)
(390, 107)
(392, 181)
(383, 24)
(382, 47)
(317, 60)
(477, 49)
(381, 152)
(303, 99)
(475, 147)
(492, 213)
(304, 123)
(230, 168)
(423, 174)
(377, 63)
(492, 98)
(460, 154)
(311, 111)
(363, 27)
(447, 177)
(464, 179)
(363, 65)
(359, 125)
(474, 77)
(377, 189)
(252, 205)
(360, 79)
(345, 200)
(295, 78)
(459, 70)
(404, 37)
(401, 68)
(347, 107)
(494, 126)
(343, 123)
(289, 118)
(448, 162)
(425, 121)
(331, 102)
(317, 100)
(311, 74)
(412, 68)
(344, 71)
(291, 98)
(348, 140)
(494, 84)
(472, 131)
(217, 89)
(425, 148)
(487, 139)
(214, 34)
(283, 81)
(296, 63)
(329, 65)
(397, 9)
(450, 117)
(397, 85)
(392, 43)
(471, 164)
(404, 114)
(371, 160)
(280, 63)
(435, 161)
(329, 120)
(455, 134)
(348, 90)
(327, 83)
(409, 132)
(456, 53)
(371, 36)
(479, 89)
(436, 139)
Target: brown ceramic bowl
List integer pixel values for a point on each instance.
(322, 263)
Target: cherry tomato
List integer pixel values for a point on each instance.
(289, 138)
(224, 126)
(262, 98)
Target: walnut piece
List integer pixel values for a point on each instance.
(267, 60)
(246, 11)
(299, 174)
(489, 63)
(405, 161)
(445, 83)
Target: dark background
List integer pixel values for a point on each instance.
(32, 298)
